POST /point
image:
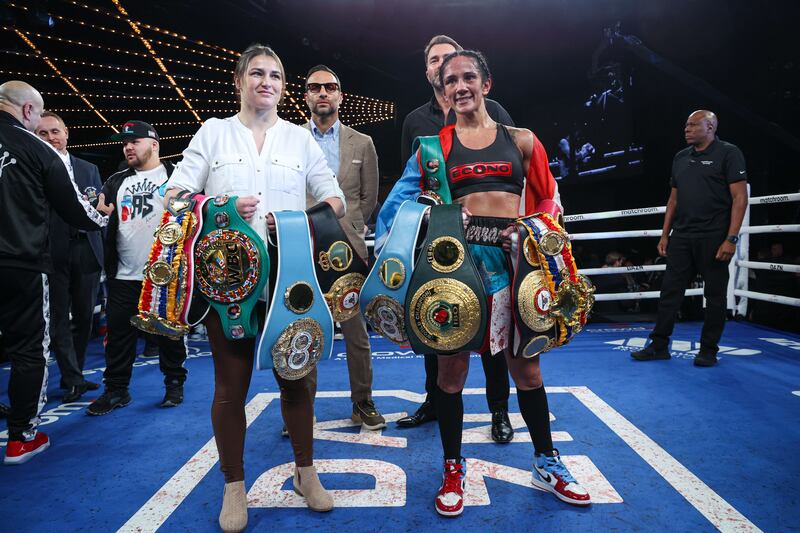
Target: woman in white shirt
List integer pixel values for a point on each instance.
(269, 164)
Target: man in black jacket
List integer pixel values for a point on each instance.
(33, 179)
(78, 260)
(138, 193)
(428, 119)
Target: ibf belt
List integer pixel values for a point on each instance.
(232, 267)
(168, 282)
(340, 270)
(551, 300)
(384, 292)
(446, 304)
(299, 328)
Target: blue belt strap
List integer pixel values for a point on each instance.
(295, 339)
(391, 274)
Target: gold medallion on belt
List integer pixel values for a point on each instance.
(298, 349)
(445, 314)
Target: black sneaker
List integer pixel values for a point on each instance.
(705, 359)
(651, 354)
(173, 397)
(108, 401)
(367, 414)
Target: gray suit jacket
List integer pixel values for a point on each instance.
(358, 179)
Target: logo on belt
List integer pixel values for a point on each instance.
(228, 265)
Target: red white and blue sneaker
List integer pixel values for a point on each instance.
(550, 474)
(450, 498)
(21, 451)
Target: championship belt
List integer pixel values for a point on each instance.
(166, 296)
(232, 267)
(446, 303)
(384, 292)
(340, 270)
(299, 328)
(551, 300)
(434, 170)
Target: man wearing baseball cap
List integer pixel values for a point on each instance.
(138, 193)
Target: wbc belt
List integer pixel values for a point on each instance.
(446, 304)
(299, 328)
(551, 300)
(166, 295)
(232, 267)
(340, 270)
(384, 292)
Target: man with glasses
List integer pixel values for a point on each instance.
(352, 158)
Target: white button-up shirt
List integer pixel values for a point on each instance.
(222, 159)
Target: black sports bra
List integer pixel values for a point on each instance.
(498, 167)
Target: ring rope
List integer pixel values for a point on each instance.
(774, 267)
(623, 270)
(775, 298)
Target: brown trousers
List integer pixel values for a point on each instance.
(359, 360)
(233, 368)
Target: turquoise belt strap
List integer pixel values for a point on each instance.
(299, 327)
(434, 167)
(383, 294)
(231, 267)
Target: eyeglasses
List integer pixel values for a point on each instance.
(316, 87)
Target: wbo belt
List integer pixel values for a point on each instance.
(551, 300)
(446, 303)
(384, 292)
(299, 327)
(340, 270)
(166, 297)
(232, 267)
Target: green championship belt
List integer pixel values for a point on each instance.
(231, 267)
(434, 169)
(445, 307)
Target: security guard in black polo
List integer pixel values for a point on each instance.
(704, 213)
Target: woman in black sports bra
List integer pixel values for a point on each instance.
(487, 166)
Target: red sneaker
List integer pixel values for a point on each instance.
(20, 451)
(450, 499)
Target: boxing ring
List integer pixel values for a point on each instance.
(740, 266)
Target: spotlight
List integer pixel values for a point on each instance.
(39, 16)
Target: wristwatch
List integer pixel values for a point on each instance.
(733, 239)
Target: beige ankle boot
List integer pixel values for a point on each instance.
(306, 484)
(233, 516)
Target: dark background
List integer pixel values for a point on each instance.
(540, 53)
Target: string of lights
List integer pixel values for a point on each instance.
(118, 50)
(153, 28)
(115, 67)
(66, 80)
(157, 59)
(154, 124)
(115, 82)
(117, 143)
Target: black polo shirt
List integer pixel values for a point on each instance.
(428, 119)
(703, 181)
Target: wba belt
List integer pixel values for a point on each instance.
(551, 300)
(232, 267)
(340, 270)
(299, 328)
(446, 304)
(384, 292)
(166, 296)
